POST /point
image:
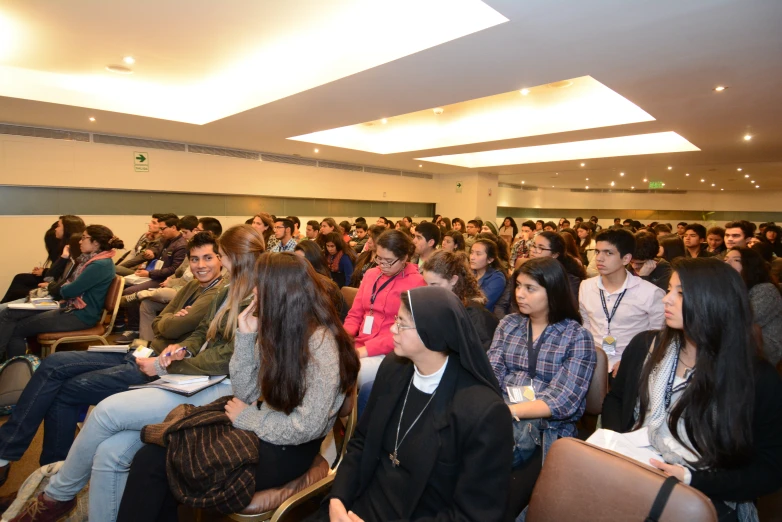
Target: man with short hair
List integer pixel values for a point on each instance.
(210, 224)
(550, 226)
(627, 223)
(385, 223)
(594, 221)
(147, 247)
(473, 228)
(426, 239)
(188, 226)
(737, 233)
(646, 264)
(311, 232)
(617, 221)
(361, 237)
(565, 223)
(296, 228)
(662, 230)
(680, 226)
(694, 241)
(520, 249)
(617, 305)
(283, 231)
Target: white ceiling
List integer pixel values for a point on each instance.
(664, 56)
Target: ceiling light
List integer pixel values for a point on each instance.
(746, 175)
(438, 110)
(583, 164)
(612, 183)
(757, 186)
(420, 166)
(713, 184)
(587, 187)
(753, 181)
(129, 60)
(621, 173)
(226, 82)
(524, 92)
(747, 137)
(670, 168)
(720, 88)
(522, 182)
(632, 188)
(316, 151)
(92, 119)
(588, 104)
(384, 121)
(722, 189)
(655, 143)
(739, 169)
(687, 174)
(645, 180)
(587, 179)
(663, 184)
(119, 69)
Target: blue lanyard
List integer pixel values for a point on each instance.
(533, 349)
(613, 311)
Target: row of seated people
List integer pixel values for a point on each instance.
(386, 317)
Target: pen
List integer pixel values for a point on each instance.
(169, 354)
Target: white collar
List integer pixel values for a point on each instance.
(629, 281)
(428, 383)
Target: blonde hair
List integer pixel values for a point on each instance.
(242, 244)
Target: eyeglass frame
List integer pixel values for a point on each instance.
(399, 327)
(385, 264)
(537, 248)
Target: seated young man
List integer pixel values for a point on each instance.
(67, 381)
(361, 237)
(147, 247)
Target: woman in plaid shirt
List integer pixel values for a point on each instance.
(543, 358)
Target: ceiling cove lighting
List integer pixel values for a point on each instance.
(584, 104)
(747, 137)
(655, 143)
(278, 49)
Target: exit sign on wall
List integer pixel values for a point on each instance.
(655, 184)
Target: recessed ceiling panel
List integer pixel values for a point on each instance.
(568, 105)
(196, 62)
(655, 143)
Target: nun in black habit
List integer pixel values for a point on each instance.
(436, 439)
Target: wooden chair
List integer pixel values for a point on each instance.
(50, 341)
(279, 504)
(598, 389)
(349, 293)
(601, 485)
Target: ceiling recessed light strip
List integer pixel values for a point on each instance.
(655, 143)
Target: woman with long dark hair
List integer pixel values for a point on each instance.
(458, 225)
(509, 230)
(672, 247)
(450, 460)
(586, 247)
(486, 267)
(339, 258)
(764, 297)
(773, 236)
(710, 405)
(300, 371)
(310, 251)
(453, 241)
(551, 244)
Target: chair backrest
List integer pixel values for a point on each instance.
(598, 388)
(111, 303)
(349, 409)
(582, 482)
(349, 293)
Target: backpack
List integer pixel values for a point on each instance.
(15, 373)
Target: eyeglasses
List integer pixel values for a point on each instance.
(85, 237)
(279, 227)
(539, 248)
(385, 262)
(163, 228)
(398, 323)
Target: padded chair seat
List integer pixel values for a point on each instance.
(269, 499)
(99, 329)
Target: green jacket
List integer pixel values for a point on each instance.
(170, 329)
(214, 359)
(92, 285)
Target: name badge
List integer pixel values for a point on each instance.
(368, 321)
(518, 394)
(142, 352)
(609, 345)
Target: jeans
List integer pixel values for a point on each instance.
(109, 440)
(16, 325)
(62, 385)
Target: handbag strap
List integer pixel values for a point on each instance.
(662, 499)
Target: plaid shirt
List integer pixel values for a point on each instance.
(566, 362)
(287, 247)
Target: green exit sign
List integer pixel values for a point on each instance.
(655, 184)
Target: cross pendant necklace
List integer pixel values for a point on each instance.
(397, 442)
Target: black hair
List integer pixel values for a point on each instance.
(172, 222)
(550, 224)
(765, 250)
(513, 226)
(287, 223)
(551, 275)
(623, 240)
(529, 224)
(646, 246)
(314, 255)
(542, 223)
(104, 237)
(212, 225)
(754, 269)
(662, 228)
(187, 223)
(397, 242)
(52, 244)
(777, 230)
(70, 225)
(492, 251)
(360, 220)
(673, 247)
(362, 225)
(314, 224)
(557, 246)
(200, 239)
(697, 228)
(477, 222)
(345, 226)
(717, 406)
(617, 219)
(296, 221)
(458, 240)
(409, 219)
(429, 231)
(747, 228)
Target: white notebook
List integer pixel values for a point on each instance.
(184, 379)
(35, 305)
(109, 348)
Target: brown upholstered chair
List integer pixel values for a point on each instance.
(98, 333)
(349, 293)
(278, 504)
(598, 389)
(582, 482)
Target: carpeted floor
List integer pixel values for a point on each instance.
(21, 470)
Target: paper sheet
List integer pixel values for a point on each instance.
(634, 444)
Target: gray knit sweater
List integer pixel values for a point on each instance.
(766, 305)
(311, 419)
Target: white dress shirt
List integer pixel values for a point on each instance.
(641, 309)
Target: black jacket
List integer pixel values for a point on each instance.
(469, 453)
(484, 322)
(172, 254)
(760, 476)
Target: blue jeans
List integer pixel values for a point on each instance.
(110, 439)
(58, 390)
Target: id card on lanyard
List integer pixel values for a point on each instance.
(369, 319)
(609, 341)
